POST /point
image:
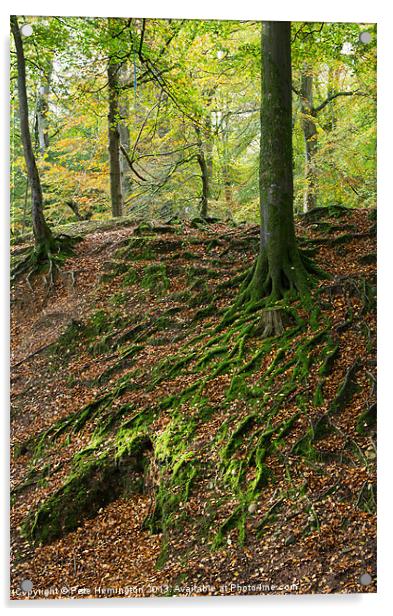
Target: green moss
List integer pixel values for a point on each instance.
(201, 297)
(69, 339)
(130, 277)
(126, 359)
(269, 516)
(97, 483)
(346, 390)
(235, 520)
(98, 476)
(368, 259)
(367, 419)
(367, 498)
(155, 278)
(99, 330)
(205, 312)
(190, 255)
(236, 437)
(180, 469)
(136, 249)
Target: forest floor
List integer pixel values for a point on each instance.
(159, 450)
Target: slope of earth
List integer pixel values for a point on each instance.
(163, 446)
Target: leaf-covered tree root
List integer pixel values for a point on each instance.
(268, 516)
(329, 354)
(126, 359)
(99, 475)
(267, 442)
(322, 425)
(77, 420)
(367, 419)
(93, 486)
(36, 476)
(330, 211)
(246, 446)
(178, 468)
(46, 257)
(367, 497)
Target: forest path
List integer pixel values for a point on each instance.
(40, 315)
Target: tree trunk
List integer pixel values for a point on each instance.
(331, 81)
(41, 114)
(209, 164)
(124, 133)
(41, 231)
(201, 157)
(114, 137)
(208, 150)
(279, 267)
(126, 180)
(226, 176)
(310, 139)
(205, 183)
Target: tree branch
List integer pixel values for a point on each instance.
(333, 96)
(142, 37)
(130, 163)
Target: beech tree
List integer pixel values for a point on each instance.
(42, 233)
(309, 126)
(113, 130)
(310, 137)
(279, 267)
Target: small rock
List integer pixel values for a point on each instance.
(252, 508)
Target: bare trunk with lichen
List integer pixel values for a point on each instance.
(41, 113)
(310, 139)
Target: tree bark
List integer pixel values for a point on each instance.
(201, 157)
(114, 137)
(41, 114)
(205, 183)
(279, 267)
(124, 133)
(310, 139)
(41, 231)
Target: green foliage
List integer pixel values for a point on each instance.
(201, 92)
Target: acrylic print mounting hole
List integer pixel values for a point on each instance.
(26, 30)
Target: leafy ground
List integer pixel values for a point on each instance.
(163, 448)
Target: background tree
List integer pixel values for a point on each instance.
(328, 61)
(114, 122)
(175, 75)
(42, 233)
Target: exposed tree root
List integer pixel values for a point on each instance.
(263, 325)
(46, 257)
(330, 211)
(367, 497)
(265, 285)
(97, 483)
(322, 424)
(367, 419)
